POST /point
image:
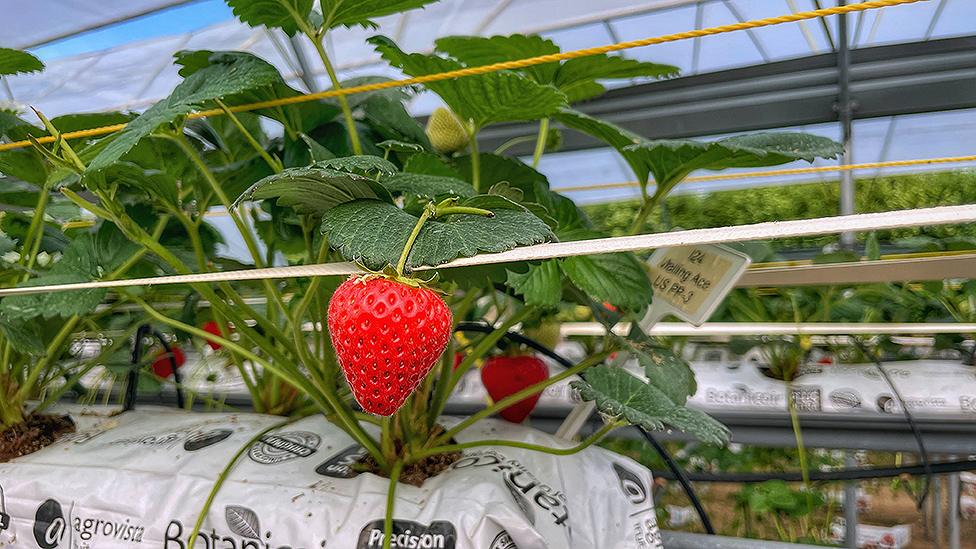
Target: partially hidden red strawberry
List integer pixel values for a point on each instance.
(211, 327)
(458, 359)
(162, 365)
(506, 375)
(387, 336)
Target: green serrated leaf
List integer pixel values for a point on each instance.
(427, 186)
(503, 188)
(315, 190)
(364, 164)
(374, 233)
(665, 370)
(362, 12)
(475, 51)
(618, 279)
(281, 14)
(83, 121)
(495, 169)
(235, 178)
(577, 78)
(503, 96)
(157, 185)
(24, 164)
(316, 150)
(87, 258)
(611, 134)
(24, 336)
(393, 145)
(671, 160)
(227, 75)
(617, 393)
(16, 62)
(431, 164)
(389, 118)
(540, 286)
(299, 117)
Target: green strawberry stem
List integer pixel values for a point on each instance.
(432, 211)
(272, 162)
(429, 212)
(475, 160)
(540, 143)
(586, 443)
(454, 210)
(390, 501)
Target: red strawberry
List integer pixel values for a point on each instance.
(162, 365)
(387, 336)
(507, 375)
(211, 327)
(458, 359)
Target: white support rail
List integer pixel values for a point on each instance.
(743, 233)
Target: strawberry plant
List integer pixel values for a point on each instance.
(359, 179)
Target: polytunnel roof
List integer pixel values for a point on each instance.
(122, 60)
(138, 70)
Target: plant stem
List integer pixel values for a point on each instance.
(272, 293)
(522, 395)
(273, 163)
(514, 141)
(540, 142)
(191, 542)
(475, 161)
(429, 211)
(357, 148)
(458, 210)
(798, 434)
(390, 502)
(586, 443)
(49, 354)
(645, 210)
(35, 232)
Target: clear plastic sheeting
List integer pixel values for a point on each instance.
(27, 24)
(136, 74)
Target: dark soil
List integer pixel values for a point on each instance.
(35, 433)
(417, 473)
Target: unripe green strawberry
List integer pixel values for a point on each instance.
(387, 336)
(446, 132)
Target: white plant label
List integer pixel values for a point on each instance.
(690, 281)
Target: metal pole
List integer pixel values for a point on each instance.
(937, 512)
(845, 110)
(308, 77)
(850, 504)
(953, 479)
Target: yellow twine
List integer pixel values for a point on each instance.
(506, 65)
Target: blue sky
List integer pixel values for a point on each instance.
(176, 20)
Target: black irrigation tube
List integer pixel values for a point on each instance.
(676, 472)
(860, 473)
(916, 432)
(132, 380)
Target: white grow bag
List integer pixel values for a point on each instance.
(140, 479)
